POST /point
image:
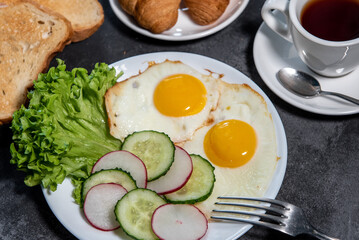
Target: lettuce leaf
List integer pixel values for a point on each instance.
(64, 129)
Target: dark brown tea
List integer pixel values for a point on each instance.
(333, 20)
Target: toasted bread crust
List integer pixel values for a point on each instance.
(85, 21)
(30, 36)
(86, 16)
(81, 34)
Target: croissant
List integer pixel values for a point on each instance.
(156, 16)
(128, 6)
(204, 12)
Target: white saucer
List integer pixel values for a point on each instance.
(271, 53)
(185, 28)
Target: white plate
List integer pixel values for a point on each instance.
(70, 214)
(185, 28)
(271, 53)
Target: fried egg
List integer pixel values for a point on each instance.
(228, 124)
(169, 97)
(240, 143)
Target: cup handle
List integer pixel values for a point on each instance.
(273, 21)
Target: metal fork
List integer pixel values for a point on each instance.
(280, 216)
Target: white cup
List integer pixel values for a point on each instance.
(328, 58)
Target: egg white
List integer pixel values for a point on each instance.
(252, 179)
(130, 105)
(130, 108)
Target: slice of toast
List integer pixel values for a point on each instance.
(86, 16)
(30, 36)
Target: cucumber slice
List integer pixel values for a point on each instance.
(200, 185)
(155, 149)
(134, 212)
(108, 176)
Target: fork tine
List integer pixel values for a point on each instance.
(291, 221)
(267, 200)
(255, 214)
(253, 222)
(271, 209)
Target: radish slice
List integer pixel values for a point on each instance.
(179, 222)
(99, 205)
(177, 176)
(127, 162)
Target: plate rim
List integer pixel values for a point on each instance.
(121, 15)
(282, 148)
(289, 96)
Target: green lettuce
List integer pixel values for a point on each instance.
(64, 129)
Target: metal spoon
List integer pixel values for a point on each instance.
(305, 85)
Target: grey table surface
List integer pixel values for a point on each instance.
(323, 154)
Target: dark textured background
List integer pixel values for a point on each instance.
(323, 154)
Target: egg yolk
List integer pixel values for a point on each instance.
(180, 95)
(231, 143)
